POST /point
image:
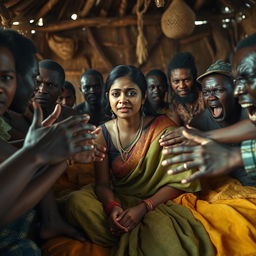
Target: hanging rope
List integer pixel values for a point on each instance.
(141, 47)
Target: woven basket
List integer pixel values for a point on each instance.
(178, 20)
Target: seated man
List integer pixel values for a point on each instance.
(68, 95)
(50, 82)
(91, 88)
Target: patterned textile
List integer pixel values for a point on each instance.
(186, 111)
(248, 151)
(134, 180)
(4, 129)
(219, 67)
(13, 238)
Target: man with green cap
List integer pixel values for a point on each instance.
(222, 109)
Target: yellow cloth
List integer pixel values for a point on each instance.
(227, 211)
(63, 246)
(75, 176)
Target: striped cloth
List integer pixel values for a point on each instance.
(248, 152)
(13, 238)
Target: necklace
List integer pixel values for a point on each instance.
(125, 153)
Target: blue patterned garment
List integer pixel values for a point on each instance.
(13, 238)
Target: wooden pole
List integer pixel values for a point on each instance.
(46, 8)
(99, 22)
(93, 42)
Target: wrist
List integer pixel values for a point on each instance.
(34, 155)
(109, 206)
(236, 158)
(149, 204)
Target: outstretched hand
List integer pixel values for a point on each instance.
(95, 155)
(209, 157)
(176, 137)
(59, 141)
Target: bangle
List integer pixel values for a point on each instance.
(110, 206)
(149, 204)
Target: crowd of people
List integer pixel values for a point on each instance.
(149, 164)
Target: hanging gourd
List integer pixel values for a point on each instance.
(178, 20)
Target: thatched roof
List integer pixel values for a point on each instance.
(102, 33)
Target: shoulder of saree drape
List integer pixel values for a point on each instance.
(142, 174)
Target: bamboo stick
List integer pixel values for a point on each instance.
(98, 49)
(99, 22)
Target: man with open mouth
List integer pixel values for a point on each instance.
(222, 109)
(210, 157)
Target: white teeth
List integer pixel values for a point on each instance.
(252, 117)
(246, 105)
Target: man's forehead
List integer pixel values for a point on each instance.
(240, 55)
(90, 80)
(48, 73)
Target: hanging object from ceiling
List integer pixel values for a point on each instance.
(141, 46)
(178, 20)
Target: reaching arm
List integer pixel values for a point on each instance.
(33, 192)
(13, 181)
(238, 132)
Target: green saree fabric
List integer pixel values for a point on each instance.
(169, 229)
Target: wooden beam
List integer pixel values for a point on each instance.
(195, 37)
(46, 8)
(99, 22)
(94, 43)
(87, 7)
(11, 3)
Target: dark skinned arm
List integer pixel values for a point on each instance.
(14, 181)
(33, 192)
(243, 130)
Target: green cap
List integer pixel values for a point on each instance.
(219, 67)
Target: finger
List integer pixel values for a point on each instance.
(97, 130)
(175, 150)
(81, 129)
(83, 138)
(126, 222)
(74, 120)
(172, 141)
(37, 116)
(178, 159)
(120, 216)
(184, 167)
(194, 176)
(76, 149)
(99, 154)
(196, 138)
(53, 116)
(119, 226)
